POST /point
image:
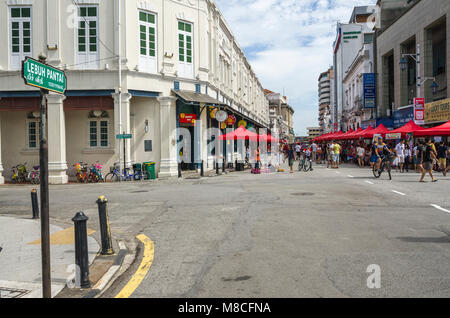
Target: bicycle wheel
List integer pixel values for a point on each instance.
(307, 165)
(377, 172)
(111, 177)
(389, 172)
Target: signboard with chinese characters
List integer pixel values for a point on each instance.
(369, 90)
(419, 111)
(403, 116)
(43, 76)
(187, 118)
(393, 136)
(437, 112)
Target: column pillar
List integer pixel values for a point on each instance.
(2, 179)
(169, 163)
(57, 164)
(125, 127)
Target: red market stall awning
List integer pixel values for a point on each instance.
(344, 136)
(442, 130)
(363, 132)
(320, 138)
(410, 127)
(380, 130)
(268, 138)
(240, 134)
(334, 135)
(353, 134)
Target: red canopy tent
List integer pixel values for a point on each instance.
(353, 134)
(344, 136)
(363, 132)
(268, 138)
(380, 130)
(320, 138)
(442, 130)
(410, 127)
(334, 135)
(240, 134)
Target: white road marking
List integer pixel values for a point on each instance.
(398, 192)
(439, 208)
(369, 182)
(350, 176)
(337, 172)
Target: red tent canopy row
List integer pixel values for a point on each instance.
(243, 134)
(442, 130)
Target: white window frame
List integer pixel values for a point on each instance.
(27, 141)
(98, 121)
(147, 63)
(16, 58)
(185, 69)
(87, 59)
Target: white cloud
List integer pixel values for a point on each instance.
(290, 42)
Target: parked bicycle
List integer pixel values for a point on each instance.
(19, 173)
(95, 173)
(81, 172)
(115, 175)
(385, 166)
(34, 176)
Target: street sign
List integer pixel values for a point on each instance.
(419, 111)
(124, 136)
(44, 76)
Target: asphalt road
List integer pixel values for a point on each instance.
(279, 235)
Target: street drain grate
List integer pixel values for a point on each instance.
(303, 194)
(12, 292)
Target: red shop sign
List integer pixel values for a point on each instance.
(230, 120)
(187, 118)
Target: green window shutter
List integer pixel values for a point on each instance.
(180, 26)
(26, 12)
(188, 27)
(15, 12)
(142, 16)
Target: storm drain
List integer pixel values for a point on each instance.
(12, 292)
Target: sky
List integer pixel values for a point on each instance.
(289, 43)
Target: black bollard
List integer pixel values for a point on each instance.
(223, 166)
(179, 171)
(202, 169)
(81, 250)
(35, 204)
(217, 167)
(105, 230)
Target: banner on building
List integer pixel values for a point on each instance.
(437, 112)
(419, 111)
(188, 118)
(403, 116)
(369, 90)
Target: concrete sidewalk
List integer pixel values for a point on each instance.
(20, 257)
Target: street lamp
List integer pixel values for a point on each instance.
(420, 81)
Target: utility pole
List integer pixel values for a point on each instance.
(419, 75)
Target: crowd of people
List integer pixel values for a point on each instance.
(423, 155)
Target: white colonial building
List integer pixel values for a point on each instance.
(179, 60)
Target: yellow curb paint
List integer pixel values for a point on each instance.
(138, 277)
(63, 237)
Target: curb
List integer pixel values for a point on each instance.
(103, 282)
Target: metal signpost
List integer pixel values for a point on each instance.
(123, 137)
(47, 78)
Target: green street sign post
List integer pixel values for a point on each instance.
(44, 76)
(47, 78)
(124, 136)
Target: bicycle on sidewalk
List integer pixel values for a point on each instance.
(115, 175)
(34, 176)
(305, 163)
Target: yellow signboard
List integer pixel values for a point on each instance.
(437, 111)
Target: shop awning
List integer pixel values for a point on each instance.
(193, 97)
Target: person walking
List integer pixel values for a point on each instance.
(314, 151)
(337, 154)
(408, 155)
(400, 152)
(330, 154)
(360, 152)
(291, 158)
(427, 156)
(442, 150)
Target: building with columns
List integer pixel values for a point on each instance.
(281, 116)
(179, 60)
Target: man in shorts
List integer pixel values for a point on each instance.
(442, 150)
(298, 150)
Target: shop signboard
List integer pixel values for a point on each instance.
(231, 120)
(187, 118)
(437, 112)
(369, 90)
(242, 123)
(221, 116)
(419, 111)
